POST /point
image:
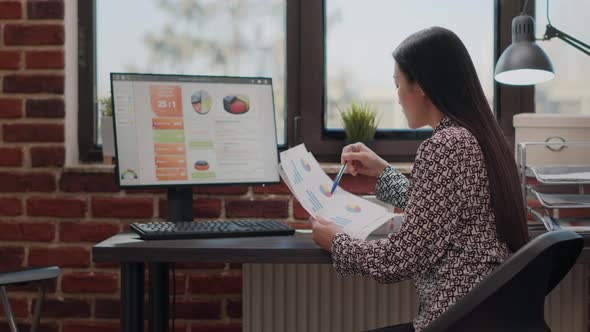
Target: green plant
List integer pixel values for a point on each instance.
(106, 106)
(360, 121)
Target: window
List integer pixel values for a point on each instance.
(303, 45)
(229, 38)
(568, 92)
(361, 35)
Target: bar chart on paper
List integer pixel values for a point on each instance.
(312, 187)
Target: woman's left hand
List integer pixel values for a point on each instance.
(323, 232)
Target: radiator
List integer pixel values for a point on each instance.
(310, 297)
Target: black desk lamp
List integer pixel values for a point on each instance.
(524, 62)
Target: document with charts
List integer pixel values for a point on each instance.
(356, 216)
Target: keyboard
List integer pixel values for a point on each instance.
(209, 229)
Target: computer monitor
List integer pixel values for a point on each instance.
(178, 131)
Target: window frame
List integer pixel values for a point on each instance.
(305, 96)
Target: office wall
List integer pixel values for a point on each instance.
(52, 215)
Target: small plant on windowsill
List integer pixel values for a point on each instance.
(106, 129)
(360, 121)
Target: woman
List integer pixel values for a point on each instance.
(464, 214)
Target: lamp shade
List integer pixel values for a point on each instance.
(523, 62)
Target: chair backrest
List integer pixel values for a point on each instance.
(512, 297)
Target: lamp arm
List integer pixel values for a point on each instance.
(554, 32)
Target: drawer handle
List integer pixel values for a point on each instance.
(555, 140)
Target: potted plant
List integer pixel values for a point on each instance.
(106, 129)
(360, 123)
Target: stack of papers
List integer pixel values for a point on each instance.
(356, 216)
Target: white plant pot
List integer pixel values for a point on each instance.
(108, 136)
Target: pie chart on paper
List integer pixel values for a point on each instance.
(306, 166)
(325, 190)
(353, 208)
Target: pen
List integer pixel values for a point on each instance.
(338, 177)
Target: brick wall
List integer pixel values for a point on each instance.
(51, 215)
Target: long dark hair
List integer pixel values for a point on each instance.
(438, 61)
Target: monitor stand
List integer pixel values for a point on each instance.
(180, 204)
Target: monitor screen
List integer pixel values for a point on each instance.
(175, 130)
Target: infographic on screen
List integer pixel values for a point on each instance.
(201, 131)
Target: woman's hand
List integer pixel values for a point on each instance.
(323, 232)
(362, 160)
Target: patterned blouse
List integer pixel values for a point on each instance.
(447, 242)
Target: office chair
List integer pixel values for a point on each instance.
(25, 277)
(512, 298)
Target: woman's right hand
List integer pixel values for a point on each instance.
(362, 160)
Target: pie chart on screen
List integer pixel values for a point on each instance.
(353, 208)
(236, 104)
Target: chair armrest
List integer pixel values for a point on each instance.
(28, 275)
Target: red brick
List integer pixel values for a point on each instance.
(26, 182)
(27, 231)
(90, 326)
(107, 308)
(11, 257)
(10, 206)
(298, 210)
(200, 265)
(11, 108)
(532, 202)
(202, 208)
(43, 9)
(234, 308)
(45, 34)
(9, 59)
(89, 282)
(56, 207)
(182, 327)
(10, 157)
(216, 327)
(215, 284)
(48, 156)
(106, 265)
(198, 309)
(359, 185)
(94, 231)
(19, 306)
(10, 10)
(34, 132)
(33, 288)
(180, 283)
(257, 208)
(34, 84)
(88, 182)
(574, 213)
(180, 278)
(221, 190)
(122, 207)
(45, 108)
(558, 189)
(144, 191)
(300, 225)
(277, 189)
(24, 326)
(44, 60)
(62, 256)
(66, 308)
(531, 181)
